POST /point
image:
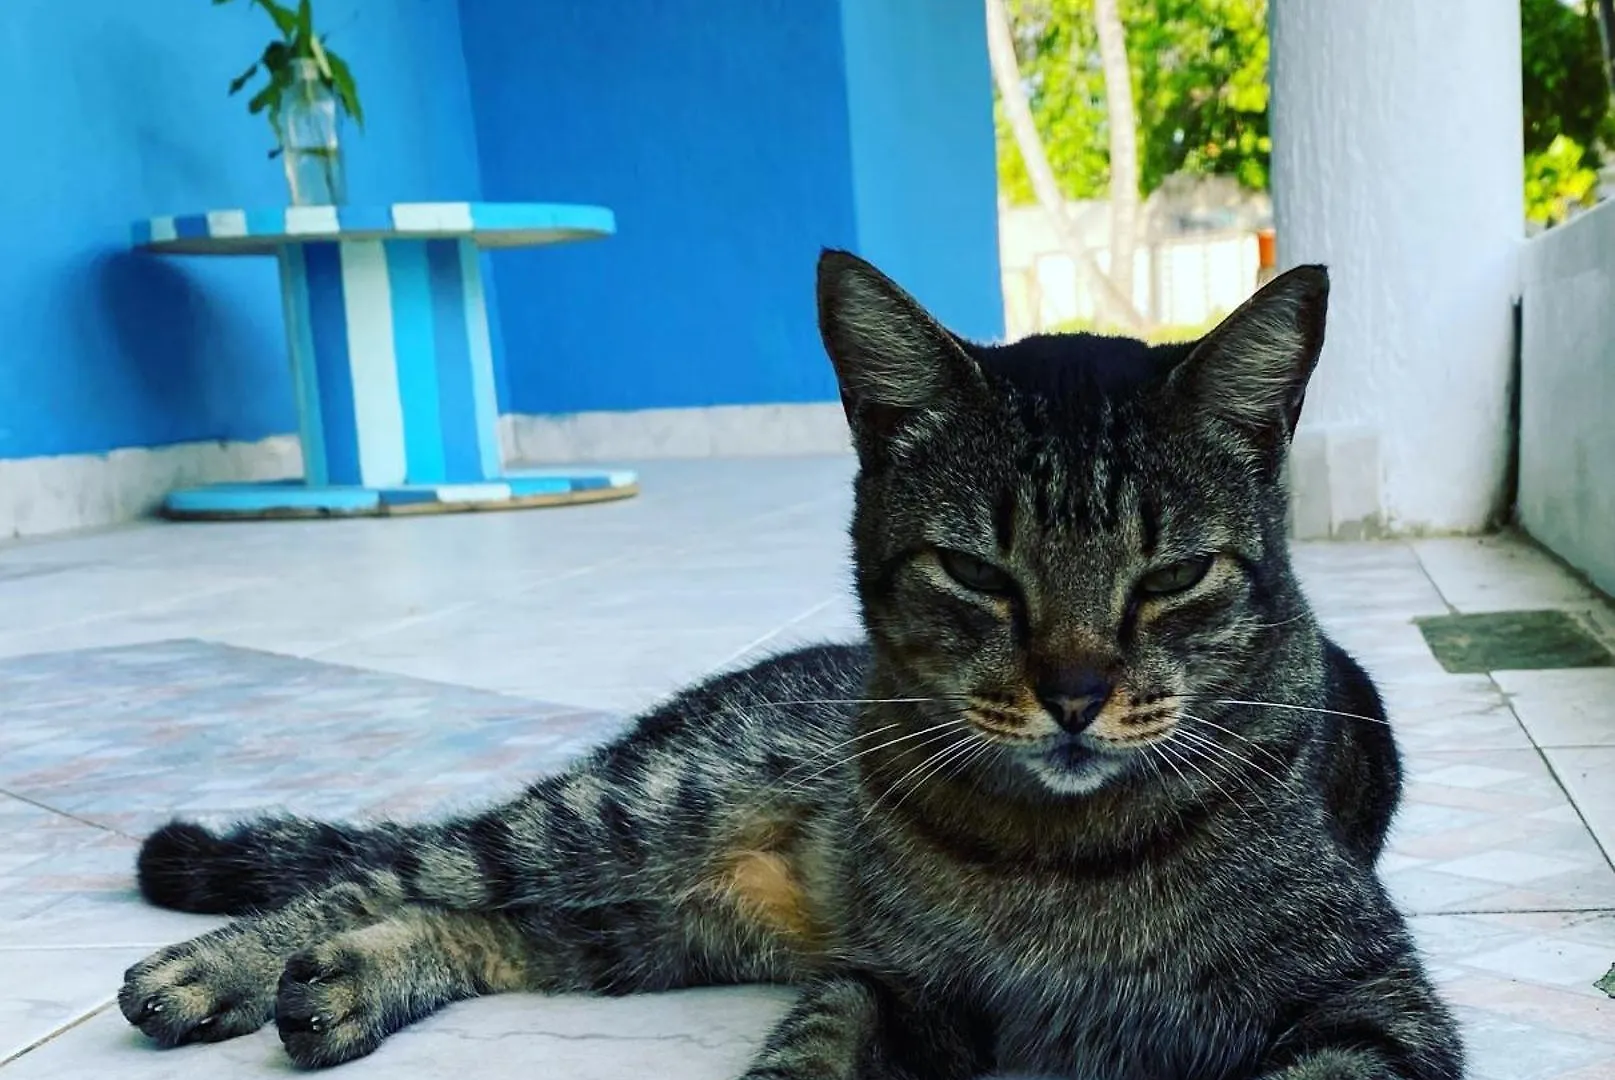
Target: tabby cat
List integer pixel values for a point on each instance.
(1096, 799)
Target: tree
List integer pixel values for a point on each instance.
(1121, 120)
(1016, 114)
(1568, 121)
(1199, 71)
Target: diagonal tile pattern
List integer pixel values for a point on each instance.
(410, 667)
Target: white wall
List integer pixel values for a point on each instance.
(1397, 161)
(1567, 393)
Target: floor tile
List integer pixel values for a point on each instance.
(1572, 707)
(1589, 775)
(1521, 985)
(44, 990)
(1499, 573)
(1493, 830)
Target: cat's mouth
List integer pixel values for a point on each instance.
(1076, 764)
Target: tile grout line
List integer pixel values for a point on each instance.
(1512, 911)
(63, 1030)
(1547, 762)
(778, 630)
(66, 814)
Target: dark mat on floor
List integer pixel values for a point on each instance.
(1512, 641)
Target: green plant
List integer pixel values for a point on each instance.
(1168, 334)
(298, 41)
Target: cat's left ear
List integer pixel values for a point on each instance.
(1252, 370)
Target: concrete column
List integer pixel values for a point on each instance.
(1397, 160)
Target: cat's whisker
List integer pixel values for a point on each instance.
(1202, 739)
(1252, 743)
(827, 751)
(1300, 708)
(819, 755)
(1281, 622)
(1160, 776)
(947, 758)
(1183, 754)
(860, 701)
(948, 723)
(905, 777)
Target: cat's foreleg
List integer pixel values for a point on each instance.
(339, 999)
(338, 971)
(849, 1027)
(1390, 1027)
(222, 984)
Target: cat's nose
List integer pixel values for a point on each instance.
(1074, 701)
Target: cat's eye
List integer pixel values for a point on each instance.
(1175, 577)
(977, 575)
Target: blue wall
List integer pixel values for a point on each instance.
(117, 111)
(733, 138)
(925, 179)
(716, 129)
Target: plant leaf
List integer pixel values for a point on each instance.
(275, 57)
(321, 60)
(241, 80)
(285, 18)
(305, 19)
(260, 101)
(347, 91)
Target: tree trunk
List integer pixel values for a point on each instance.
(1113, 305)
(1606, 33)
(1123, 123)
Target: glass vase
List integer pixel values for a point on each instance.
(311, 139)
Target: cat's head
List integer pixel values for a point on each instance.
(1073, 543)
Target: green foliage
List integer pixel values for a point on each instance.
(298, 41)
(1558, 180)
(1566, 92)
(1569, 123)
(1199, 84)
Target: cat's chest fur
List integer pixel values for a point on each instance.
(1106, 976)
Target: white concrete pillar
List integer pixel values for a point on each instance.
(1397, 160)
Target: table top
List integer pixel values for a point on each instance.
(261, 232)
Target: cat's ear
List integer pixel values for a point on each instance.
(892, 358)
(1252, 370)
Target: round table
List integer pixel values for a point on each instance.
(391, 362)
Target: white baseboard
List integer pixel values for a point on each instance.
(1336, 488)
(79, 491)
(716, 431)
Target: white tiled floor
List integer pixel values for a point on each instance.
(607, 607)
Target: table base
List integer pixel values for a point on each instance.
(295, 499)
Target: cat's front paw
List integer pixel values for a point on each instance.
(198, 991)
(331, 1005)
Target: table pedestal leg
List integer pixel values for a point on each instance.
(393, 376)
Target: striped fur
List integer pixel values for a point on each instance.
(1052, 817)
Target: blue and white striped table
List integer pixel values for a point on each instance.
(391, 361)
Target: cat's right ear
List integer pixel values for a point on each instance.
(892, 359)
